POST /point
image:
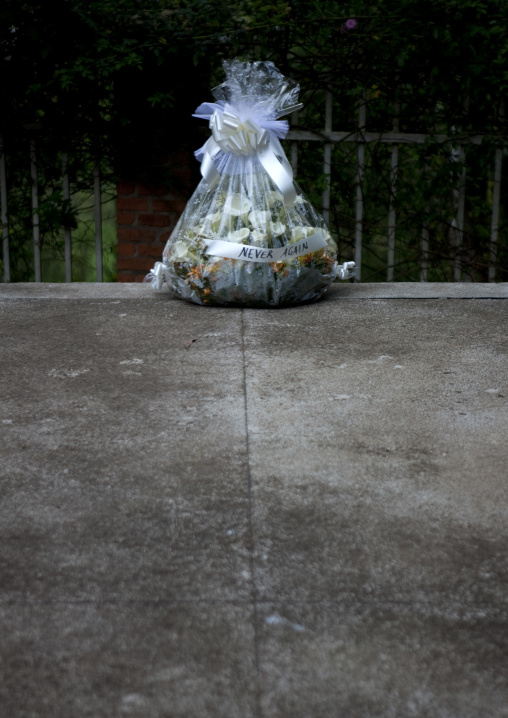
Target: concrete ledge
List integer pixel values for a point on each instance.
(398, 290)
(420, 290)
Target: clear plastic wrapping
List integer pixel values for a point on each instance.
(248, 235)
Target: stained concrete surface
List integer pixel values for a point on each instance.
(301, 513)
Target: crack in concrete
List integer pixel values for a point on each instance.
(251, 528)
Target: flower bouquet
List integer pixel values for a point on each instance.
(248, 235)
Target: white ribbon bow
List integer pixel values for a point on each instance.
(234, 133)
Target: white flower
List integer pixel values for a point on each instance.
(237, 205)
(259, 238)
(213, 220)
(239, 236)
(226, 223)
(274, 197)
(298, 233)
(259, 218)
(180, 252)
(199, 230)
(329, 240)
(277, 228)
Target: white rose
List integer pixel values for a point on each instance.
(277, 228)
(199, 230)
(237, 205)
(239, 236)
(180, 252)
(259, 238)
(226, 222)
(191, 233)
(213, 220)
(273, 198)
(259, 218)
(298, 233)
(330, 240)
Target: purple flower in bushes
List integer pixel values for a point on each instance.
(350, 25)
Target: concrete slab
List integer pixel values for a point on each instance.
(378, 443)
(112, 443)
(366, 659)
(143, 659)
(298, 512)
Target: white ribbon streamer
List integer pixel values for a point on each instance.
(251, 253)
(347, 271)
(157, 275)
(276, 164)
(235, 133)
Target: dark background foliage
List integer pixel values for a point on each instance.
(119, 81)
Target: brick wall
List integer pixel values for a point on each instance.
(146, 216)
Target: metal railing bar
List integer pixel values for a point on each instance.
(98, 220)
(384, 137)
(362, 118)
(424, 257)
(5, 223)
(35, 212)
(459, 155)
(496, 201)
(424, 247)
(392, 215)
(327, 161)
(494, 224)
(458, 222)
(67, 230)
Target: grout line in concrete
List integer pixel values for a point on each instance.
(346, 601)
(375, 297)
(251, 528)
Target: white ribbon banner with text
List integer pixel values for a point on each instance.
(251, 253)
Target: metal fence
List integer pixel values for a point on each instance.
(97, 195)
(361, 137)
(328, 137)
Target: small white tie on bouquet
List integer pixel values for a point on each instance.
(248, 235)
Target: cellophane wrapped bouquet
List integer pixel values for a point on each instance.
(248, 235)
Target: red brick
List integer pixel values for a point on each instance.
(125, 217)
(155, 220)
(125, 188)
(126, 249)
(145, 263)
(168, 205)
(161, 205)
(144, 190)
(135, 235)
(131, 203)
(150, 250)
(124, 277)
(140, 277)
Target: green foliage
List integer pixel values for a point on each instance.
(120, 79)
